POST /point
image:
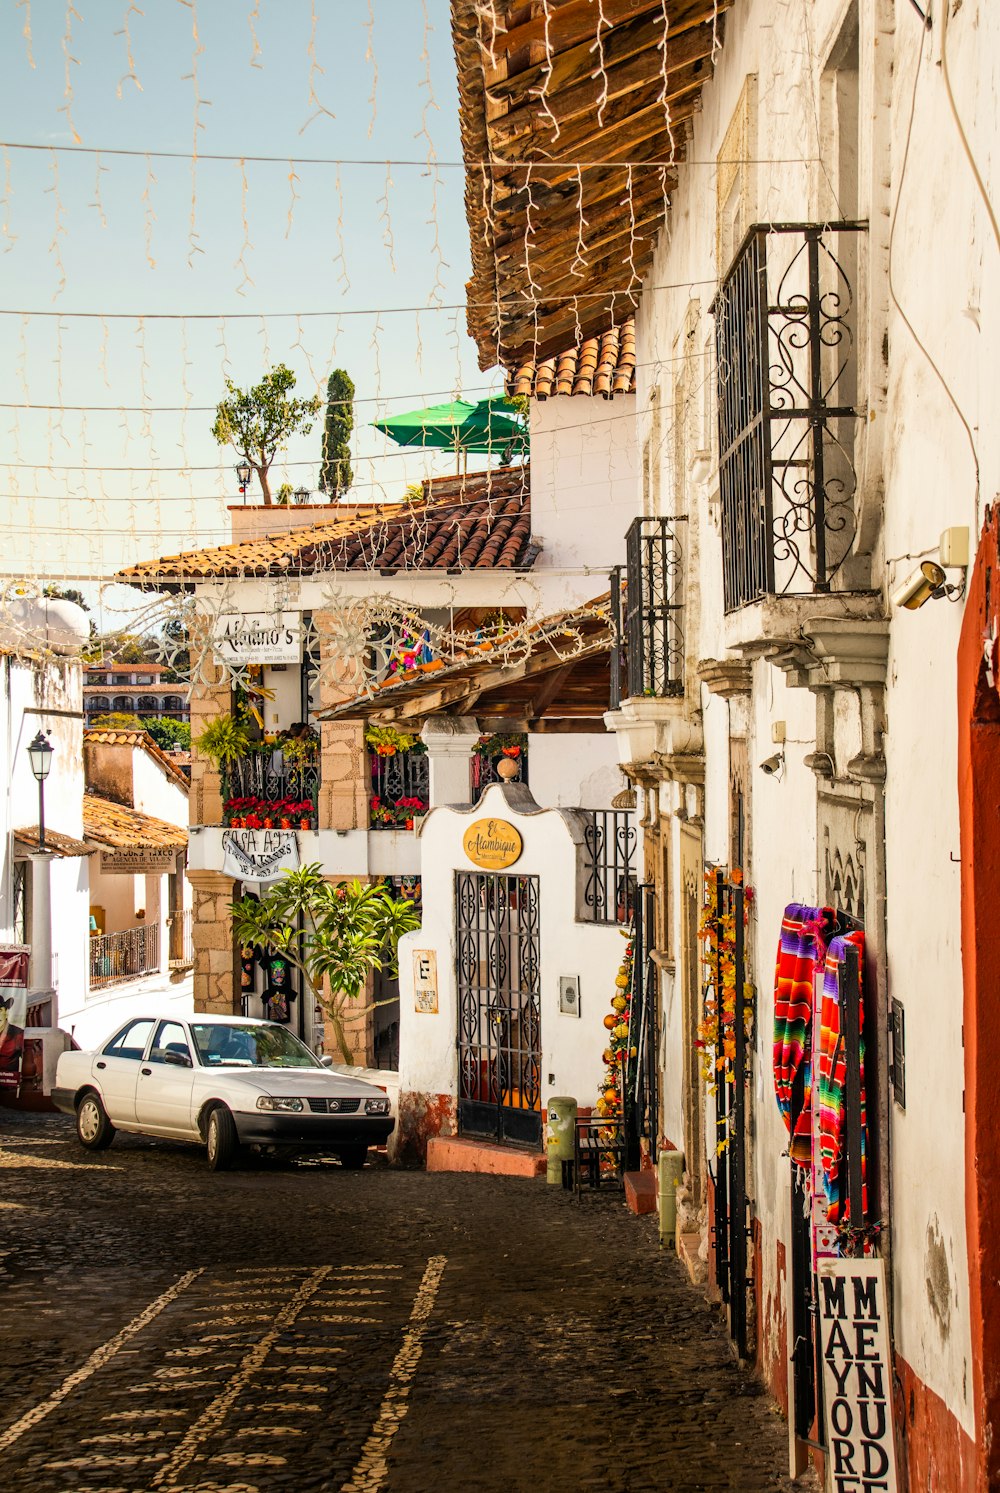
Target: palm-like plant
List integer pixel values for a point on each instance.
(335, 936)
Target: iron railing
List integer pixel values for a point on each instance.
(483, 770)
(124, 956)
(642, 1088)
(181, 939)
(270, 776)
(404, 775)
(647, 620)
(787, 385)
(609, 842)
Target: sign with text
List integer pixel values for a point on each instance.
(425, 981)
(492, 844)
(259, 854)
(857, 1377)
(135, 862)
(257, 638)
(13, 1014)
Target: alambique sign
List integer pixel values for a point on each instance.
(257, 638)
(492, 844)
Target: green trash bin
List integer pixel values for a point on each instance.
(561, 1125)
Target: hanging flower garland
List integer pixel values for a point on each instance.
(717, 930)
(618, 1053)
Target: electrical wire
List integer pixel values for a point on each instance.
(945, 10)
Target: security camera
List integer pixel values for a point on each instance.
(927, 581)
(774, 764)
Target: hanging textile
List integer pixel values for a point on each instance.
(248, 965)
(805, 932)
(832, 1080)
(278, 993)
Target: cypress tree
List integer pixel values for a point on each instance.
(335, 475)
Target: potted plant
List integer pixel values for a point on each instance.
(386, 741)
(223, 741)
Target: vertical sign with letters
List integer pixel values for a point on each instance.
(425, 981)
(857, 1376)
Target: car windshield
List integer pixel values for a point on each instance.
(249, 1045)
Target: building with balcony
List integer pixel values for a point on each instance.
(812, 354)
(142, 689)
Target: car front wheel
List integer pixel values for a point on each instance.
(352, 1158)
(94, 1129)
(221, 1139)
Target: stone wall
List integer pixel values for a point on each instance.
(344, 791)
(214, 983)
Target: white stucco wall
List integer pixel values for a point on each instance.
(917, 469)
(584, 480)
(571, 1046)
(574, 772)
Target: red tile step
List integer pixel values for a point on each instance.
(640, 1191)
(454, 1153)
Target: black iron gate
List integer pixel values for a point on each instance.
(727, 973)
(641, 1091)
(499, 1006)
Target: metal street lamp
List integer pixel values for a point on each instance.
(242, 470)
(40, 757)
(301, 495)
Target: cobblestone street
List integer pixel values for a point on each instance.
(296, 1326)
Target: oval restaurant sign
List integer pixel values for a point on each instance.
(492, 844)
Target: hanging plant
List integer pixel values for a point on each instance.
(619, 1054)
(386, 741)
(223, 741)
(716, 1040)
(502, 744)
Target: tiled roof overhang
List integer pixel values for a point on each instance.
(569, 165)
(120, 827)
(481, 521)
(603, 366)
(61, 845)
(105, 736)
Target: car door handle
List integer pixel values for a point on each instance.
(147, 1071)
(100, 1065)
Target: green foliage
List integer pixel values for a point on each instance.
(169, 734)
(347, 933)
(223, 740)
(65, 593)
(284, 494)
(117, 720)
(336, 474)
(386, 741)
(258, 422)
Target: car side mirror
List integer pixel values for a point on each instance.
(178, 1059)
(326, 1060)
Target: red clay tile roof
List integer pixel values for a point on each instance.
(603, 365)
(59, 844)
(123, 828)
(106, 736)
(481, 521)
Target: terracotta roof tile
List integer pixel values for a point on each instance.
(106, 736)
(449, 530)
(123, 828)
(602, 365)
(60, 844)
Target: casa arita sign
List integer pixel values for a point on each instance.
(492, 844)
(259, 854)
(257, 638)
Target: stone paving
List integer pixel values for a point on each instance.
(295, 1326)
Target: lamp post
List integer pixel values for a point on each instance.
(301, 495)
(40, 756)
(242, 470)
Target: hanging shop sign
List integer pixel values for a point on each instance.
(492, 844)
(134, 862)
(857, 1381)
(425, 981)
(257, 638)
(13, 1014)
(259, 854)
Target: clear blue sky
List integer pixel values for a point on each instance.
(91, 521)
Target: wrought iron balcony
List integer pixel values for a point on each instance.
(787, 386)
(648, 656)
(400, 788)
(124, 956)
(609, 841)
(262, 779)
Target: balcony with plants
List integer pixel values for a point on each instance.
(400, 778)
(269, 780)
(498, 758)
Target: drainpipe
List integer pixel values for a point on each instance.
(449, 741)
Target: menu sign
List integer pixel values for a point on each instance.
(857, 1379)
(13, 1014)
(257, 638)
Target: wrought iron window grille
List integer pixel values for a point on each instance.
(403, 775)
(647, 613)
(609, 840)
(785, 332)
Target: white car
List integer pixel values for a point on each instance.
(223, 1081)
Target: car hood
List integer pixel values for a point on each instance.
(316, 1083)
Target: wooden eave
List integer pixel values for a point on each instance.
(546, 135)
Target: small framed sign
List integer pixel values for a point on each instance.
(569, 995)
(425, 983)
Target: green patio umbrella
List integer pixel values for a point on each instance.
(489, 426)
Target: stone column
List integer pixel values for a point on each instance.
(449, 741)
(344, 781)
(212, 934)
(208, 702)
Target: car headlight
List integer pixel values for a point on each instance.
(269, 1101)
(376, 1106)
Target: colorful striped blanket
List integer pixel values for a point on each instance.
(832, 1080)
(805, 933)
